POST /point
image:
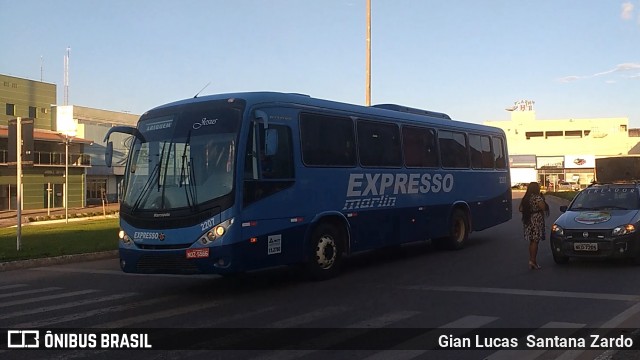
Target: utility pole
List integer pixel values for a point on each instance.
(19, 181)
(368, 70)
(66, 178)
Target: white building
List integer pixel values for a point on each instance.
(564, 149)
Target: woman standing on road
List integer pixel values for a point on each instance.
(532, 207)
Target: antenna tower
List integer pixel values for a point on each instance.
(66, 77)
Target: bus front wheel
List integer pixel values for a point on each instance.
(458, 232)
(325, 255)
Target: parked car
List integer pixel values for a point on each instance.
(602, 221)
(520, 186)
(568, 186)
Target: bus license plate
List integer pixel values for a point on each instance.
(585, 246)
(197, 253)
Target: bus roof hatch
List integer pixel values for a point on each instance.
(410, 110)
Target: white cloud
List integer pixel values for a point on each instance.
(570, 78)
(627, 11)
(624, 67)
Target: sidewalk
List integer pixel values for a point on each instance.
(8, 217)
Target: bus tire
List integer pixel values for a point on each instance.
(458, 232)
(325, 252)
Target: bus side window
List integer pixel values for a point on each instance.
(267, 174)
(498, 153)
(280, 164)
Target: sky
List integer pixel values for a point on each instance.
(467, 58)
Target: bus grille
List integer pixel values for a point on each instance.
(172, 263)
(164, 246)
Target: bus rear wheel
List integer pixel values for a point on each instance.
(458, 232)
(325, 255)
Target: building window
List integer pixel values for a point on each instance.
(532, 134)
(573, 133)
(623, 128)
(11, 109)
(32, 112)
(97, 188)
(553, 133)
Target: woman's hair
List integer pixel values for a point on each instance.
(525, 204)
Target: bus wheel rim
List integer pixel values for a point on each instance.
(326, 252)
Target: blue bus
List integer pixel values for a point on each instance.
(230, 183)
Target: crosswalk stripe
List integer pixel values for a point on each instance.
(458, 328)
(564, 329)
(158, 315)
(329, 339)
(547, 293)
(199, 354)
(5, 287)
(308, 317)
(91, 313)
(65, 305)
(617, 321)
(28, 292)
(116, 272)
(290, 322)
(48, 297)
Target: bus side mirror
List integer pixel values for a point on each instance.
(108, 154)
(270, 142)
(563, 208)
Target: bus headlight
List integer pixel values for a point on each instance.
(219, 230)
(216, 232)
(126, 240)
(623, 230)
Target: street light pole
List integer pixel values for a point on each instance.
(66, 178)
(368, 66)
(19, 182)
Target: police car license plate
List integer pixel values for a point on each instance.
(585, 246)
(197, 253)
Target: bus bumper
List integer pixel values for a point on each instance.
(217, 261)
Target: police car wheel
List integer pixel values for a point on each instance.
(561, 260)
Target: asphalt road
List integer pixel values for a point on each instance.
(487, 285)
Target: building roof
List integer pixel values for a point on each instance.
(46, 135)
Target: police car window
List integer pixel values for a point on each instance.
(599, 199)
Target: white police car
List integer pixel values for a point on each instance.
(602, 221)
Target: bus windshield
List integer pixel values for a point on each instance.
(182, 160)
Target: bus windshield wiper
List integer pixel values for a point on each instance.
(147, 185)
(186, 168)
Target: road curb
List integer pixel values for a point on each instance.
(58, 260)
